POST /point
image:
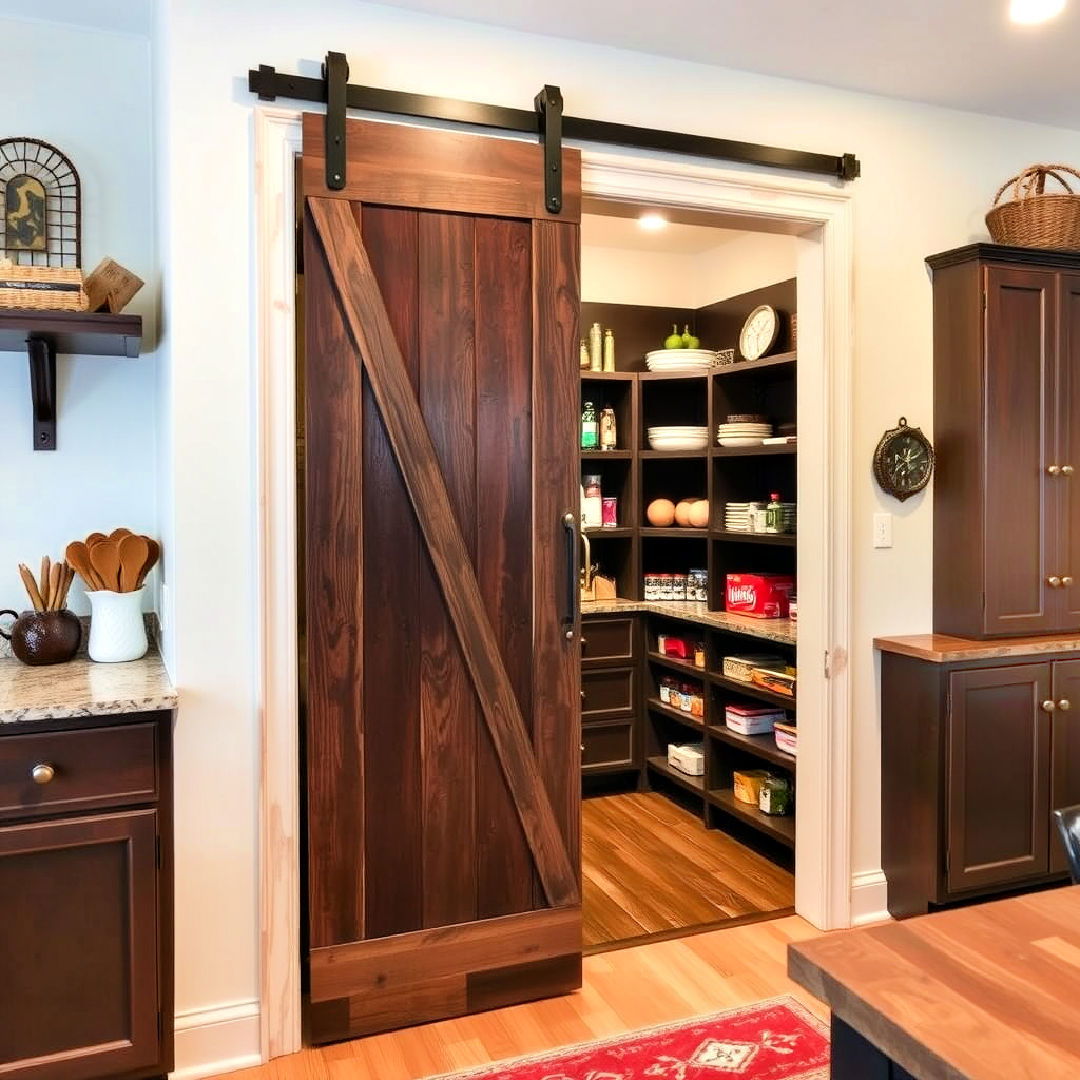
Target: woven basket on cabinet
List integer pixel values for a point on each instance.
(1033, 218)
(42, 288)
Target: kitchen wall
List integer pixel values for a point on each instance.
(86, 91)
(928, 176)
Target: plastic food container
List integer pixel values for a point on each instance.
(748, 721)
(787, 738)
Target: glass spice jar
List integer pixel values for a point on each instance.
(699, 655)
(665, 689)
(686, 701)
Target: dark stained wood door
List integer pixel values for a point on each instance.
(1066, 750)
(1020, 420)
(79, 993)
(998, 798)
(442, 731)
(1067, 499)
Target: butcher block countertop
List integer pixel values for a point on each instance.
(987, 992)
(782, 630)
(83, 688)
(943, 649)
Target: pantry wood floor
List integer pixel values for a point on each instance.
(623, 990)
(649, 866)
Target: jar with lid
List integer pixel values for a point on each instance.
(678, 586)
(697, 704)
(652, 588)
(592, 508)
(675, 694)
(666, 586)
(665, 689)
(699, 655)
(686, 702)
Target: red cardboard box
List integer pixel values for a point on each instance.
(761, 596)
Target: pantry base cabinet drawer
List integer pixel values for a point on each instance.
(607, 639)
(607, 691)
(606, 745)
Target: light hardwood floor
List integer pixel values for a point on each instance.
(650, 866)
(624, 990)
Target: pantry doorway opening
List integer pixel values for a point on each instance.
(818, 215)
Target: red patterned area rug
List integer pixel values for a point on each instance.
(770, 1040)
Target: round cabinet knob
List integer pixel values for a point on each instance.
(1067, 470)
(569, 635)
(1064, 704)
(1067, 580)
(569, 519)
(1049, 706)
(1053, 470)
(1054, 582)
(42, 774)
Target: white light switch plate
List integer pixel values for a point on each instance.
(883, 530)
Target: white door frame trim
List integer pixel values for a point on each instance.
(826, 257)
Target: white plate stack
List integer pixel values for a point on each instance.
(738, 516)
(687, 361)
(743, 433)
(679, 437)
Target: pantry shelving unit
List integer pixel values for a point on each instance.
(637, 474)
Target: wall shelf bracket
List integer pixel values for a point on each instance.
(549, 107)
(42, 356)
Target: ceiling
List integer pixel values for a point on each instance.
(625, 233)
(121, 16)
(963, 54)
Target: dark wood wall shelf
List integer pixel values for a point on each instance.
(44, 335)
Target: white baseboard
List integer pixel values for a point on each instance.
(217, 1040)
(869, 898)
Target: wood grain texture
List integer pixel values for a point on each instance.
(431, 169)
(921, 989)
(1065, 781)
(945, 649)
(360, 302)
(648, 866)
(621, 991)
(1067, 498)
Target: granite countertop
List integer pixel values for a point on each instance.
(944, 649)
(83, 688)
(782, 630)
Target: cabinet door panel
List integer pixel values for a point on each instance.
(1067, 499)
(79, 996)
(1066, 768)
(998, 775)
(1020, 347)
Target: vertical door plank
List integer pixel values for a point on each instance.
(504, 516)
(556, 668)
(392, 764)
(334, 556)
(448, 706)
(1068, 453)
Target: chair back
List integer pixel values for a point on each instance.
(1068, 822)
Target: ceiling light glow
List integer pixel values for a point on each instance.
(1030, 12)
(652, 222)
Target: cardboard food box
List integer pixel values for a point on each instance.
(688, 758)
(759, 596)
(748, 785)
(740, 667)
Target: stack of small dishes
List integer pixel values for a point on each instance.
(738, 516)
(679, 437)
(743, 429)
(686, 361)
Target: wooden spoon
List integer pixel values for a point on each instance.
(133, 551)
(105, 559)
(78, 555)
(154, 553)
(119, 534)
(94, 538)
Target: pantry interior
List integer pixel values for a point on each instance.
(688, 699)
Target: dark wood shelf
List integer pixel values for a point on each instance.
(606, 455)
(673, 455)
(685, 667)
(607, 376)
(755, 451)
(778, 539)
(762, 746)
(673, 530)
(83, 333)
(695, 784)
(758, 693)
(601, 532)
(779, 360)
(667, 376)
(781, 829)
(677, 715)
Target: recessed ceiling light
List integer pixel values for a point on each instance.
(652, 222)
(1030, 12)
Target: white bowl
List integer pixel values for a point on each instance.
(679, 444)
(740, 442)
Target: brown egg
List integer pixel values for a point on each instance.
(661, 513)
(682, 511)
(699, 513)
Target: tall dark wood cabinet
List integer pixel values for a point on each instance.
(1007, 427)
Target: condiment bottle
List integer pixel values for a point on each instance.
(609, 350)
(590, 428)
(686, 702)
(596, 348)
(592, 507)
(584, 364)
(665, 690)
(608, 435)
(774, 514)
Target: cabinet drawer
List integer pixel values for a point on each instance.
(91, 768)
(603, 745)
(607, 690)
(607, 639)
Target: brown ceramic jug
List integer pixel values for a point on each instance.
(43, 637)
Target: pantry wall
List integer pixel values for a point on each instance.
(688, 818)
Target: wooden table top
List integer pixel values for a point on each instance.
(987, 992)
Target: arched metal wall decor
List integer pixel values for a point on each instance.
(41, 199)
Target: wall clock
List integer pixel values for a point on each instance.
(41, 222)
(759, 332)
(903, 461)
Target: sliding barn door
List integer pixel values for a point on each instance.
(442, 742)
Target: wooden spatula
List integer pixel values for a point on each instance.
(31, 587)
(133, 552)
(119, 534)
(78, 555)
(94, 538)
(105, 559)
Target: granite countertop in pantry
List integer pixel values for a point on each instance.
(782, 630)
(83, 688)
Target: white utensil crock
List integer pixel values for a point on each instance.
(117, 629)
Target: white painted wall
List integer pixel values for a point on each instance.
(750, 261)
(928, 176)
(86, 91)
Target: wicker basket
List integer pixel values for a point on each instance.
(1033, 218)
(42, 288)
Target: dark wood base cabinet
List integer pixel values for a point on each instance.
(975, 755)
(86, 881)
